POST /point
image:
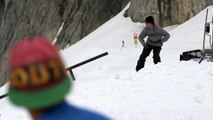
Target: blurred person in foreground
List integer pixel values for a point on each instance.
(156, 37)
(38, 82)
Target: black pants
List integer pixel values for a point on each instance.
(145, 54)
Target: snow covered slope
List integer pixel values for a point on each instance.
(171, 90)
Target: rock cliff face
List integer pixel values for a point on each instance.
(83, 16)
(166, 12)
(26, 18)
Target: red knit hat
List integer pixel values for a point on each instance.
(36, 49)
(37, 75)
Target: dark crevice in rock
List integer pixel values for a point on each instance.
(160, 12)
(2, 5)
(61, 10)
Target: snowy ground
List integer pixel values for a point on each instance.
(171, 90)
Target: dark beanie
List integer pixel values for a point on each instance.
(149, 19)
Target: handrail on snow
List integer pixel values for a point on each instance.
(72, 67)
(84, 62)
(4, 95)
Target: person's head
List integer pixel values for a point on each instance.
(37, 75)
(150, 22)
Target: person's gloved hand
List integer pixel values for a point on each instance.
(159, 40)
(146, 46)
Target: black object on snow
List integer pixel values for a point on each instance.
(4, 95)
(193, 54)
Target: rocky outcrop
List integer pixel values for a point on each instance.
(166, 12)
(83, 16)
(26, 18)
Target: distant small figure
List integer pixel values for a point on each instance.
(123, 45)
(136, 39)
(38, 82)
